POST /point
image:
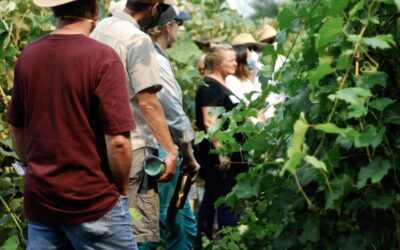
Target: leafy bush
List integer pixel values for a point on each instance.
(325, 171)
(21, 22)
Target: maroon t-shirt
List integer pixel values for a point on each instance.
(69, 91)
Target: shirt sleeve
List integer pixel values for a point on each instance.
(142, 66)
(211, 96)
(16, 110)
(112, 94)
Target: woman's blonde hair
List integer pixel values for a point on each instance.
(155, 32)
(213, 57)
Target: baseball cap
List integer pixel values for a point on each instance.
(51, 3)
(172, 13)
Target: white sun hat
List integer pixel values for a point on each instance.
(51, 3)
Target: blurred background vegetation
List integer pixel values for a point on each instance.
(324, 172)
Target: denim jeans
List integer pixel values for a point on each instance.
(112, 231)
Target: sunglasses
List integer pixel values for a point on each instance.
(179, 22)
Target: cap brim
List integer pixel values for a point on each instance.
(183, 16)
(51, 3)
(172, 13)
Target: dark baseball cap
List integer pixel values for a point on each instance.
(172, 13)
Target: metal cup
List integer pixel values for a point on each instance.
(153, 166)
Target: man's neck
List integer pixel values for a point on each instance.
(162, 42)
(65, 27)
(138, 16)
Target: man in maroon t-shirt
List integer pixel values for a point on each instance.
(70, 120)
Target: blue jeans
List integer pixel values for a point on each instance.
(112, 231)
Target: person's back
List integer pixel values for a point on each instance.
(122, 32)
(70, 122)
(178, 227)
(59, 78)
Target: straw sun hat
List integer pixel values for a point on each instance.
(54, 3)
(265, 33)
(51, 3)
(245, 39)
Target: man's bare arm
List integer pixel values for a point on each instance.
(155, 119)
(189, 162)
(119, 152)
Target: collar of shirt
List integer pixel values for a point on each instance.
(123, 15)
(160, 50)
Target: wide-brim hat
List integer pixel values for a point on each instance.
(266, 32)
(247, 39)
(172, 13)
(51, 3)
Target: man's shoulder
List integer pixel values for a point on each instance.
(119, 27)
(35, 43)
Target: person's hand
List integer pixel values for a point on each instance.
(170, 168)
(191, 167)
(224, 163)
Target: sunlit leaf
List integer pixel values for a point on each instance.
(359, 6)
(315, 162)
(200, 136)
(397, 2)
(293, 162)
(11, 243)
(135, 215)
(337, 6)
(356, 97)
(329, 32)
(330, 128)
(377, 42)
(300, 130)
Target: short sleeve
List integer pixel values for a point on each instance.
(16, 111)
(112, 93)
(142, 66)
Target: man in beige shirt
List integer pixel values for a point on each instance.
(122, 31)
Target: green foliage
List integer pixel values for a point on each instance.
(324, 172)
(21, 23)
(211, 20)
(265, 8)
